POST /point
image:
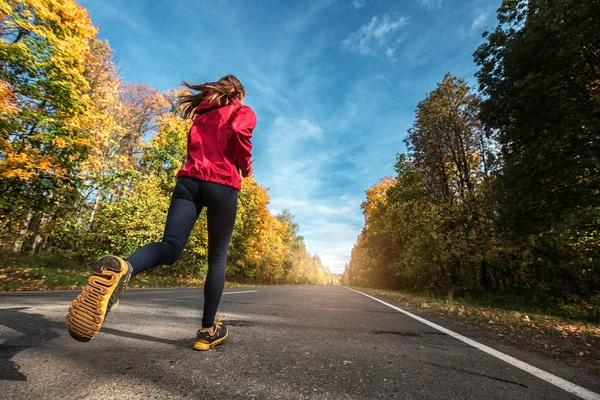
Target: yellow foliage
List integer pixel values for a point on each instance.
(376, 196)
(8, 105)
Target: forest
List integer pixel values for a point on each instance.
(497, 192)
(88, 161)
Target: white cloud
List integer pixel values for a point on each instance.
(481, 17)
(333, 241)
(302, 20)
(337, 260)
(359, 3)
(317, 164)
(290, 130)
(293, 157)
(378, 36)
(293, 148)
(342, 207)
(317, 145)
(431, 4)
(330, 226)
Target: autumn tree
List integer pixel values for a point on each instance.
(140, 108)
(166, 152)
(426, 229)
(447, 142)
(45, 96)
(501, 194)
(540, 74)
(453, 156)
(88, 163)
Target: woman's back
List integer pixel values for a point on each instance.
(219, 143)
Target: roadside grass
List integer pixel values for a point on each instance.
(17, 279)
(40, 273)
(575, 340)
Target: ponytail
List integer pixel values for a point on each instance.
(219, 93)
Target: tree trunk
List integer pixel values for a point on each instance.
(28, 244)
(94, 210)
(21, 238)
(484, 276)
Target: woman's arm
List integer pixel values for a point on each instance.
(242, 125)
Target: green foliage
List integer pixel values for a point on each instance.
(540, 72)
(125, 224)
(421, 228)
(500, 195)
(88, 163)
(44, 102)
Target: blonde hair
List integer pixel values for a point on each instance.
(219, 93)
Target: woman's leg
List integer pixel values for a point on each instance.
(88, 311)
(220, 215)
(182, 215)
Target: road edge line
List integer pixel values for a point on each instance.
(243, 291)
(535, 371)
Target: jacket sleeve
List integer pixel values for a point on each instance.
(242, 126)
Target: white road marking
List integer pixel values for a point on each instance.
(546, 376)
(244, 291)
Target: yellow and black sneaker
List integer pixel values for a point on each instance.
(99, 297)
(206, 341)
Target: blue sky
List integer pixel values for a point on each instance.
(334, 83)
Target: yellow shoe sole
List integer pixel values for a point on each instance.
(88, 311)
(207, 346)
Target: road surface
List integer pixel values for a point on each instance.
(285, 342)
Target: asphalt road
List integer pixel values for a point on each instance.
(285, 342)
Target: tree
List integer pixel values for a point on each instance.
(166, 152)
(141, 106)
(44, 93)
(453, 157)
(426, 228)
(88, 163)
(447, 142)
(500, 194)
(540, 74)
(104, 160)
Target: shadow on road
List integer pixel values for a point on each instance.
(312, 307)
(34, 329)
(183, 343)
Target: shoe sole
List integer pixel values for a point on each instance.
(207, 346)
(88, 311)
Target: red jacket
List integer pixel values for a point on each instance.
(219, 144)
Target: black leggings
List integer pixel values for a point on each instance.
(189, 196)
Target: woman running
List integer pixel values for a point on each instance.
(219, 148)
